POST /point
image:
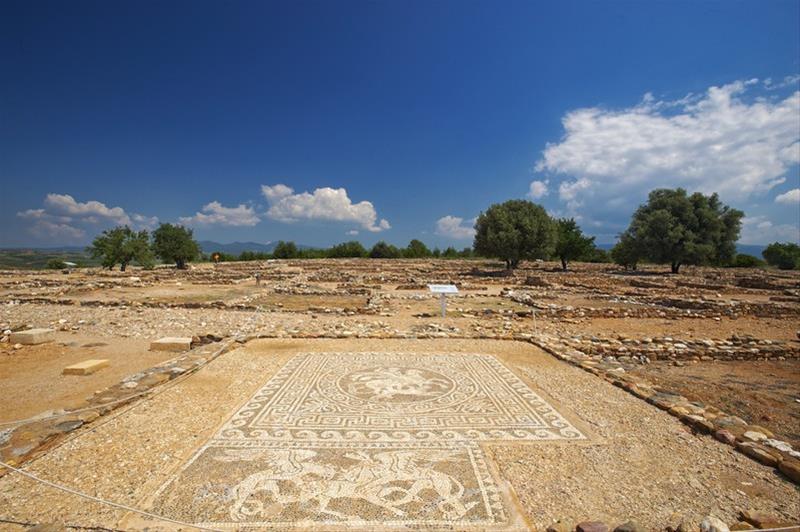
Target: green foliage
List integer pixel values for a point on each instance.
(382, 250)
(598, 256)
(56, 264)
(285, 250)
(514, 231)
(742, 260)
(416, 250)
(175, 243)
(784, 256)
(350, 249)
(450, 253)
(675, 228)
(570, 242)
(627, 252)
(122, 245)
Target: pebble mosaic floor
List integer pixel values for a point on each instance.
(366, 441)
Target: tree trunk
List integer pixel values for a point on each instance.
(122, 266)
(508, 264)
(564, 264)
(675, 267)
(180, 264)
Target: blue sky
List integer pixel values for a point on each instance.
(320, 122)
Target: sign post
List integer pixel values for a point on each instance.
(443, 290)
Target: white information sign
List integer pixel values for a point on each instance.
(443, 290)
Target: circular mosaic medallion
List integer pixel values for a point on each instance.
(396, 389)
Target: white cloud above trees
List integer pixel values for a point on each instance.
(791, 197)
(65, 219)
(215, 213)
(455, 227)
(761, 230)
(720, 141)
(538, 189)
(326, 204)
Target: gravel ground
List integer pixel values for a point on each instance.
(638, 461)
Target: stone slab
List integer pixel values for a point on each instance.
(169, 343)
(87, 367)
(32, 336)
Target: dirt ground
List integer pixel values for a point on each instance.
(32, 375)
(765, 393)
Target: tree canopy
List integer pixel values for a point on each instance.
(121, 245)
(347, 250)
(382, 250)
(627, 252)
(676, 228)
(416, 250)
(514, 231)
(784, 256)
(175, 243)
(286, 250)
(571, 244)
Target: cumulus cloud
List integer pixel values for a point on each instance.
(64, 218)
(760, 230)
(215, 213)
(46, 229)
(455, 227)
(717, 141)
(331, 204)
(90, 211)
(789, 198)
(538, 189)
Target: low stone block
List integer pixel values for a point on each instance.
(87, 367)
(176, 344)
(32, 336)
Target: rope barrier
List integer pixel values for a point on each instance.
(100, 500)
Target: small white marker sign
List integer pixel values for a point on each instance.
(443, 290)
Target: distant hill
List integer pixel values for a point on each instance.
(235, 248)
(37, 258)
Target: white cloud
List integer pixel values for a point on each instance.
(352, 232)
(789, 198)
(215, 213)
(48, 230)
(538, 189)
(145, 222)
(760, 230)
(62, 216)
(454, 227)
(276, 192)
(325, 203)
(714, 142)
(91, 211)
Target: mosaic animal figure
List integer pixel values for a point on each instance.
(385, 383)
(370, 479)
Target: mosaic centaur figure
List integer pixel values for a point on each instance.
(372, 479)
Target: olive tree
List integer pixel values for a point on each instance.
(676, 228)
(175, 243)
(514, 231)
(571, 244)
(121, 245)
